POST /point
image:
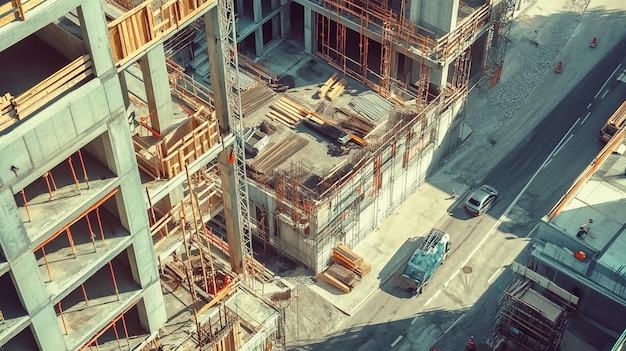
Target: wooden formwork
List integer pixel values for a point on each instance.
(167, 157)
(140, 27)
(16, 9)
(20, 107)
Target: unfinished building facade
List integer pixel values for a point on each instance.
(405, 68)
(113, 159)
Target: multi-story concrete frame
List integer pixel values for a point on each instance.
(77, 254)
(419, 55)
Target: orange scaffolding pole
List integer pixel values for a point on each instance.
(69, 160)
(26, 205)
(82, 163)
(71, 240)
(62, 317)
(45, 176)
(85, 294)
(92, 236)
(45, 260)
(54, 184)
(117, 336)
(103, 330)
(100, 224)
(117, 293)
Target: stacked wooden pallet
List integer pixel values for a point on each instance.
(340, 277)
(287, 112)
(274, 155)
(253, 98)
(7, 112)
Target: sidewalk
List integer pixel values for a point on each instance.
(390, 245)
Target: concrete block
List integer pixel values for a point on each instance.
(131, 204)
(121, 146)
(142, 259)
(13, 154)
(113, 92)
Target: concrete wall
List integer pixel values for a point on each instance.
(439, 16)
(45, 139)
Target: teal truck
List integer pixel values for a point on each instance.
(425, 261)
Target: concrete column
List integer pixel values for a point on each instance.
(309, 30)
(227, 169)
(393, 72)
(93, 26)
(439, 16)
(276, 26)
(13, 238)
(227, 173)
(285, 19)
(257, 9)
(155, 79)
(258, 41)
(34, 297)
(151, 309)
(439, 76)
(218, 76)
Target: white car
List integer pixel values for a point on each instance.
(481, 200)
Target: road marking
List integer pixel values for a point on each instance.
(588, 106)
(622, 76)
(607, 81)
(532, 230)
(414, 320)
(603, 95)
(585, 119)
(428, 302)
(432, 298)
(560, 147)
(453, 324)
(495, 275)
(397, 341)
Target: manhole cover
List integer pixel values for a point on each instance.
(467, 269)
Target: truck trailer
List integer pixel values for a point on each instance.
(425, 261)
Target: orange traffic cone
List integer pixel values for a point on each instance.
(470, 343)
(593, 42)
(559, 67)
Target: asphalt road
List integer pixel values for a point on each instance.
(531, 179)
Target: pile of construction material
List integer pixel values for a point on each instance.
(287, 112)
(347, 270)
(253, 98)
(371, 106)
(7, 112)
(274, 155)
(332, 88)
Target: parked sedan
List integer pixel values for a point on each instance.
(481, 200)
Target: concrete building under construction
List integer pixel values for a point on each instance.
(132, 186)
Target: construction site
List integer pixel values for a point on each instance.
(146, 146)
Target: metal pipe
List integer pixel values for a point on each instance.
(82, 163)
(117, 293)
(117, 336)
(125, 331)
(85, 294)
(92, 236)
(195, 223)
(62, 317)
(100, 225)
(69, 160)
(45, 176)
(26, 205)
(71, 240)
(45, 260)
(54, 184)
(208, 245)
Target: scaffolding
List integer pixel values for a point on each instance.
(498, 39)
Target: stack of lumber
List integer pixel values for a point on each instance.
(253, 98)
(355, 123)
(332, 88)
(371, 105)
(336, 90)
(340, 277)
(327, 85)
(7, 112)
(277, 153)
(351, 260)
(287, 112)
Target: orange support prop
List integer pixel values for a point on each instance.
(69, 160)
(62, 318)
(92, 236)
(117, 293)
(45, 260)
(45, 176)
(71, 240)
(85, 294)
(26, 205)
(82, 164)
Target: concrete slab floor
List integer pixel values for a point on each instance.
(46, 213)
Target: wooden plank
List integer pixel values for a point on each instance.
(24, 111)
